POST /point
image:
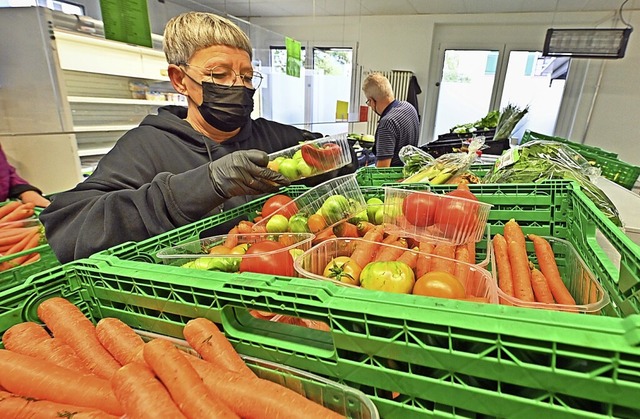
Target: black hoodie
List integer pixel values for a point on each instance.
(155, 179)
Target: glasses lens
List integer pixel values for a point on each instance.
(223, 76)
(255, 80)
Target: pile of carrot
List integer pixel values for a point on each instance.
(18, 234)
(521, 279)
(107, 371)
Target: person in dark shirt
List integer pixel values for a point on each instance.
(398, 125)
(12, 186)
(182, 164)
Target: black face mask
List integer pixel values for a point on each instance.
(226, 108)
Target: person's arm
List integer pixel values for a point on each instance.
(125, 200)
(35, 198)
(383, 163)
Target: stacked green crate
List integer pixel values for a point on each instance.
(16, 275)
(374, 176)
(444, 358)
(611, 166)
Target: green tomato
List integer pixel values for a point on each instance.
(298, 224)
(289, 169)
(216, 263)
(295, 253)
(335, 208)
(388, 276)
(304, 169)
(373, 205)
(359, 217)
(378, 217)
(297, 155)
(277, 223)
(393, 208)
(279, 159)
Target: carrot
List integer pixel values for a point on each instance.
(120, 340)
(520, 272)
(32, 377)
(345, 229)
(513, 232)
(364, 227)
(142, 395)
(232, 239)
(323, 235)
(20, 407)
(540, 287)
(505, 277)
(472, 252)
(245, 227)
(390, 238)
(461, 270)
(69, 324)
(444, 263)
(423, 264)
(20, 213)
(365, 250)
(183, 382)
(33, 257)
(257, 398)
(549, 268)
(204, 336)
(29, 338)
(391, 252)
(9, 208)
(15, 235)
(28, 242)
(410, 257)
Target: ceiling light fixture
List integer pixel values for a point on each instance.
(588, 43)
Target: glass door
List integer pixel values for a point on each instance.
(476, 81)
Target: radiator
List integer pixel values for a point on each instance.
(399, 83)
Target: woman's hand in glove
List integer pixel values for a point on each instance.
(245, 173)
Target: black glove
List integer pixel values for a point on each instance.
(245, 173)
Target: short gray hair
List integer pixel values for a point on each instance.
(377, 86)
(192, 31)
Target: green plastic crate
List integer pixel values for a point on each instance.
(445, 358)
(612, 167)
(17, 275)
(374, 176)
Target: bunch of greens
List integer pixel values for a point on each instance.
(509, 118)
(413, 159)
(537, 161)
(490, 120)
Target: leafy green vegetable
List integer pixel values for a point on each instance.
(489, 121)
(509, 118)
(537, 161)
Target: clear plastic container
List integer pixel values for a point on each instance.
(344, 400)
(477, 281)
(335, 200)
(195, 254)
(438, 218)
(312, 157)
(585, 288)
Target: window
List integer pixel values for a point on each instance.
(59, 5)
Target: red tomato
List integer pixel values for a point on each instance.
(457, 216)
(420, 209)
(277, 202)
(274, 261)
(463, 193)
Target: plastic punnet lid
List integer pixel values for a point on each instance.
(312, 158)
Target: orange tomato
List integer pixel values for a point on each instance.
(439, 284)
(316, 223)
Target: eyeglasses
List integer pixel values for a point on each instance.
(226, 77)
(368, 102)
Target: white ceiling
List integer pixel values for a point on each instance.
(280, 8)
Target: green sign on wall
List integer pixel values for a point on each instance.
(294, 57)
(126, 21)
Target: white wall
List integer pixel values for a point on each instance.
(410, 43)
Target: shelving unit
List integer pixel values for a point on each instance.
(80, 84)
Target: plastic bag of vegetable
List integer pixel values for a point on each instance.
(539, 160)
(443, 168)
(413, 159)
